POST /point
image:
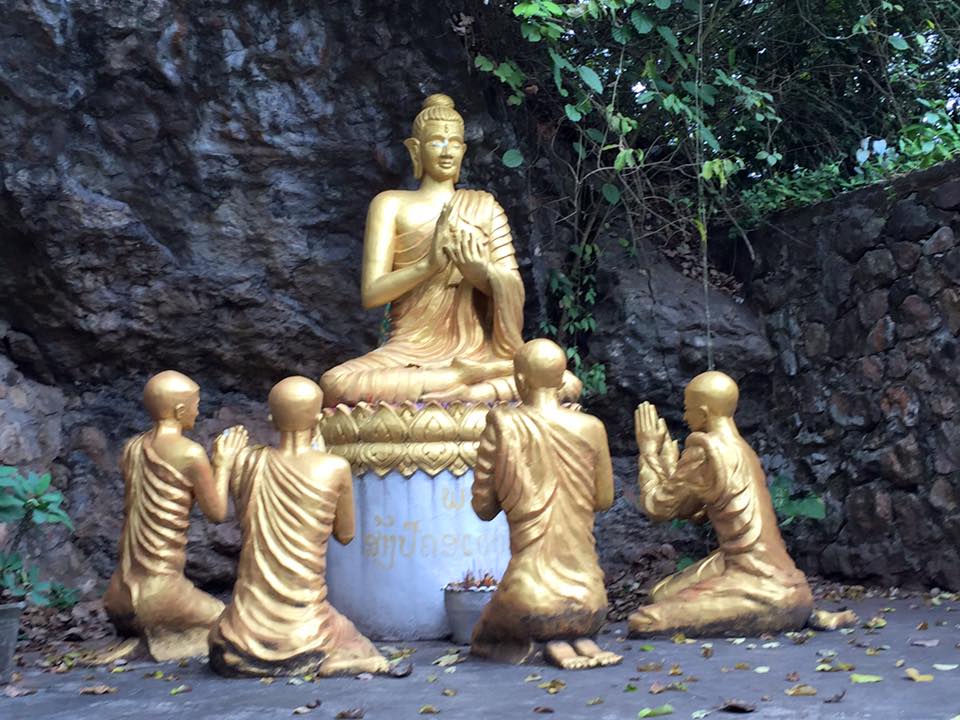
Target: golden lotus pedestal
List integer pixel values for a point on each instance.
(415, 528)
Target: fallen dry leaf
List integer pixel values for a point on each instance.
(923, 626)
(429, 710)
(15, 691)
(658, 711)
(675, 670)
(864, 679)
(448, 692)
(180, 689)
(543, 710)
(98, 690)
(793, 676)
(650, 667)
(925, 643)
(302, 710)
(451, 657)
(401, 669)
(917, 676)
(706, 650)
(801, 690)
(533, 677)
(351, 714)
(945, 667)
(836, 698)
(658, 687)
(553, 686)
(595, 701)
(741, 666)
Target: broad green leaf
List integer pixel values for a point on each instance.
(572, 113)
(662, 4)
(658, 711)
(484, 63)
(611, 193)
(590, 77)
(898, 42)
(668, 35)
(641, 22)
(512, 158)
(595, 135)
(624, 158)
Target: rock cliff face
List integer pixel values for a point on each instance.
(183, 184)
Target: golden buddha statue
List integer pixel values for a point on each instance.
(749, 585)
(163, 473)
(548, 469)
(290, 500)
(444, 260)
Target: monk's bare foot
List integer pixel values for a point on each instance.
(588, 648)
(354, 666)
(646, 620)
(564, 656)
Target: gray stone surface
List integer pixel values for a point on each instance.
(489, 690)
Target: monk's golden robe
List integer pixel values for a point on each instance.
(443, 318)
(543, 476)
(279, 621)
(750, 584)
(148, 593)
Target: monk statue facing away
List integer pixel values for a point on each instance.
(749, 585)
(548, 468)
(444, 260)
(290, 500)
(163, 473)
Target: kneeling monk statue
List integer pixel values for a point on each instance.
(548, 468)
(443, 259)
(290, 500)
(163, 472)
(749, 585)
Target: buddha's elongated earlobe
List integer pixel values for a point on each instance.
(413, 147)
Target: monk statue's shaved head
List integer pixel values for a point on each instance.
(295, 403)
(165, 391)
(715, 391)
(542, 363)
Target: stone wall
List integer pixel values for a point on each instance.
(860, 299)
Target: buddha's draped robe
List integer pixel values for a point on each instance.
(279, 621)
(750, 582)
(443, 318)
(543, 476)
(148, 593)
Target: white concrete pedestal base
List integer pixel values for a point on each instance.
(414, 535)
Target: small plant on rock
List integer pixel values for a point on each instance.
(27, 501)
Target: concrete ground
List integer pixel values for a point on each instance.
(753, 671)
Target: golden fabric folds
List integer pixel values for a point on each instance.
(749, 584)
(443, 318)
(279, 611)
(542, 475)
(148, 592)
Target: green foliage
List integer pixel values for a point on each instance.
(27, 500)
(668, 118)
(789, 508)
(932, 138)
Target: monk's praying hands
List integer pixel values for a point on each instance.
(651, 430)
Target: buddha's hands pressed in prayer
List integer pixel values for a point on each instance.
(472, 257)
(444, 234)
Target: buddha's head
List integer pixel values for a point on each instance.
(709, 396)
(171, 395)
(436, 146)
(295, 404)
(538, 365)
